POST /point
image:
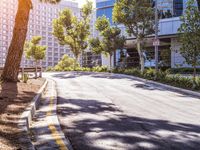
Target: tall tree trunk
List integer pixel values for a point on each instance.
(110, 62)
(15, 51)
(115, 63)
(194, 76)
(40, 63)
(76, 62)
(36, 69)
(140, 55)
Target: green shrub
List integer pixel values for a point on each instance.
(149, 74)
(198, 83)
(25, 78)
(99, 69)
(78, 68)
(86, 69)
(183, 70)
(49, 69)
(118, 70)
(58, 68)
(134, 72)
(163, 77)
(179, 81)
(65, 62)
(68, 69)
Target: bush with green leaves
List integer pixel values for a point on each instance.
(100, 69)
(25, 77)
(65, 62)
(78, 68)
(74, 31)
(183, 70)
(149, 74)
(162, 76)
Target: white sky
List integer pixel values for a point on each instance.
(81, 2)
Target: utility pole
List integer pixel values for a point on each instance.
(156, 40)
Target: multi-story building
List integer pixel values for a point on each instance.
(89, 59)
(40, 24)
(105, 7)
(169, 15)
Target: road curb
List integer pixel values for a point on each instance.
(169, 87)
(26, 119)
(57, 122)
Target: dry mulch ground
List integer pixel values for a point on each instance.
(14, 98)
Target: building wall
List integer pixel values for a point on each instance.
(169, 12)
(169, 23)
(177, 61)
(106, 61)
(89, 59)
(105, 7)
(7, 16)
(40, 24)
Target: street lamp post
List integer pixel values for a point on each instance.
(156, 40)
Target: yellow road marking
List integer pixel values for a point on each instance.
(54, 132)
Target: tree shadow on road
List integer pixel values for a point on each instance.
(70, 75)
(95, 125)
(138, 83)
(74, 74)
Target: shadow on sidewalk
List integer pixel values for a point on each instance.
(14, 98)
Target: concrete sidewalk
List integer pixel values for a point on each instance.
(46, 131)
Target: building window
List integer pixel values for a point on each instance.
(170, 8)
(178, 8)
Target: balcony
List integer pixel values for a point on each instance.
(169, 26)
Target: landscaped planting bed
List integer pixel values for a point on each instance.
(14, 99)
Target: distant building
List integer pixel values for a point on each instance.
(40, 24)
(169, 15)
(89, 59)
(105, 7)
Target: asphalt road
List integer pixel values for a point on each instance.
(109, 112)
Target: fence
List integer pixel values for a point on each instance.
(28, 70)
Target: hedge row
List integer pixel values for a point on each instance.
(94, 69)
(165, 77)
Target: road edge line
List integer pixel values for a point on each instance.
(57, 122)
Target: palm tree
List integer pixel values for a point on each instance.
(15, 51)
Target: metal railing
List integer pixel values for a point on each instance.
(28, 70)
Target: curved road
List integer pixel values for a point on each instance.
(100, 111)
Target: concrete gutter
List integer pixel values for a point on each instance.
(168, 87)
(26, 119)
(66, 143)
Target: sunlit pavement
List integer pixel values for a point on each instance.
(45, 129)
(102, 112)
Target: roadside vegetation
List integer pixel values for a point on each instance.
(111, 39)
(138, 18)
(166, 77)
(65, 62)
(15, 99)
(169, 76)
(73, 31)
(78, 68)
(190, 37)
(15, 50)
(34, 51)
